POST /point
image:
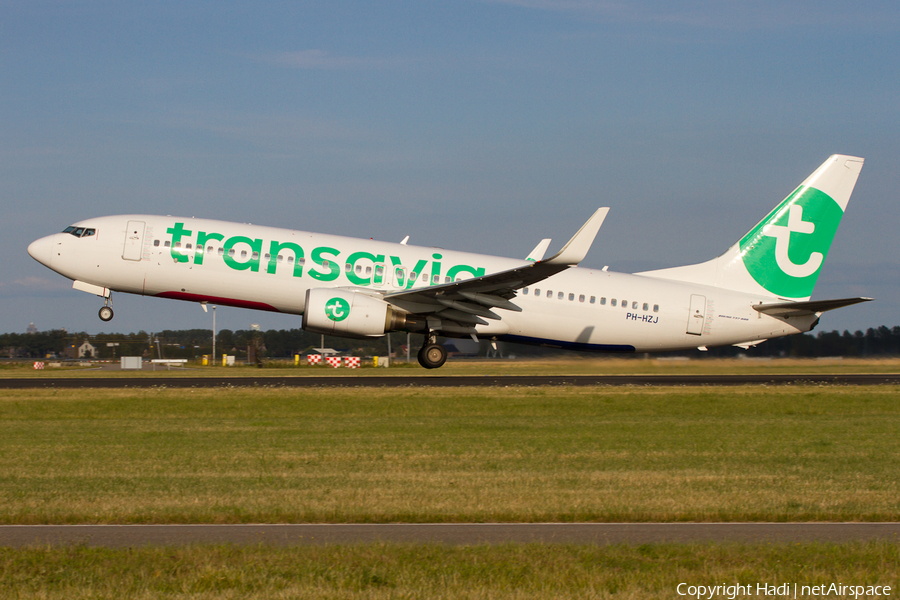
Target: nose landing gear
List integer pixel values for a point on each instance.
(106, 313)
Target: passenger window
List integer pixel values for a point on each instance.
(634, 305)
(156, 242)
(243, 254)
(603, 301)
(594, 299)
(646, 306)
(524, 291)
(210, 249)
(221, 251)
(290, 258)
(398, 274)
(280, 258)
(188, 246)
(326, 264)
(656, 308)
(549, 293)
(255, 256)
(413, 275)
(368, 270)
(537, 292)
(436, 279)
(348, 267)
(231, 252)
(612, 302)
(572, 298)
(267, 256)
(300, 261)
(178, 244)
(358, 269)
(167, 244)
(624, 303)
(446, 279)
(581, 298)
(379, 271)
(560, 296)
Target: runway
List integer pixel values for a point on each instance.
(338, 381)
(123, 536)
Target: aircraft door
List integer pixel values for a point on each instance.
(134, 240)
(697, 315)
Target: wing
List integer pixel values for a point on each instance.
(457, 307)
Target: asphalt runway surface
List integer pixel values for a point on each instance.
(449, 381)
(124, 536)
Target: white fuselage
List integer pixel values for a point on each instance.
(269, 268)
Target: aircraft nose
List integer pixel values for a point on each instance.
(42, 250)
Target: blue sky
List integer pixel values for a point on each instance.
(473, 125)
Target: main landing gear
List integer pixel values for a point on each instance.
(106, 313)
(432, 355)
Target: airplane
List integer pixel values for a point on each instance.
(758, 289)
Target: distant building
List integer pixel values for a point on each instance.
(87, 350)
(31, 328)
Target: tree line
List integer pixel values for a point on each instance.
(185, 343)
(283, 343)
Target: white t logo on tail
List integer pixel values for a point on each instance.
(782, 235)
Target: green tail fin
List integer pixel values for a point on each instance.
(784, 253)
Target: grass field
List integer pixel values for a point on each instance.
(508, 454)
(585, 365)
(239, 455)
(396, 571)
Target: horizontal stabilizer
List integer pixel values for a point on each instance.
(748, 345)
(802, 309)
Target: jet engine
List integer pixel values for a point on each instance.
(349, 314)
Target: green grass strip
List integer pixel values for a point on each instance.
(398, 571)
(755, 453)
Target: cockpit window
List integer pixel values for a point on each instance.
(79, 231)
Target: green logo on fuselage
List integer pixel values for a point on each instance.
(785, 251)
(323, 263)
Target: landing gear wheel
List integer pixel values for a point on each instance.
(106, 314)
(432, 356)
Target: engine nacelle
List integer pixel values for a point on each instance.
(349, 314)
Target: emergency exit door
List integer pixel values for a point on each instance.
(697, 315)
(134, 240)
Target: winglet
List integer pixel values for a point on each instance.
(538, 252)
(577, 248)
